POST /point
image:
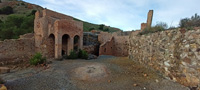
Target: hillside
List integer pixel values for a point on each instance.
(17, 18)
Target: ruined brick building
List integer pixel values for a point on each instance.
(57, 34)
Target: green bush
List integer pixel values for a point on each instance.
(72, 55)
(16, 25)
(106, 30)
(194, 21)
(82, 54)
(101, 26)
(37, 59)
(6, 10)
(75, 55)
(23, 3)
(91, 29)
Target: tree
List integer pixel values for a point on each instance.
(16, 25)
(101, 26)
(106, 30)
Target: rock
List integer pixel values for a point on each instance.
(4, 70)
(91, 56)
(135, 85)
(145, 75)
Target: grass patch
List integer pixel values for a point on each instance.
(81, 54)
(37, 59)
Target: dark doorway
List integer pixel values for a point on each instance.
(65, 40)
(76, 43)
(51, 46)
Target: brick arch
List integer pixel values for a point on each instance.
(51, 45)
(76, 42)
(65, 44)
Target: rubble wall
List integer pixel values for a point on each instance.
(175, 53)
(16, 50)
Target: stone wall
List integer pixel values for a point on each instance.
(175, 53)
(16, 50)
(91, 43)
(115, 44)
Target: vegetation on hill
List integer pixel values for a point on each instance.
(16, 25)
(190, 23)
(6, 10)
(18, 19)
(89, 26)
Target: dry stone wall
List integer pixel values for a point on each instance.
(16, 50)
(175, 53)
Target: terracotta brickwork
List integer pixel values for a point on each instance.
(55, 33)
(149, 20)
(143, 26)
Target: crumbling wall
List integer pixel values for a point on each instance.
(104, 37)
(174, 53)
(16, 50)
(107, 48)
(121, 45)
(49, 23)
(115, 44)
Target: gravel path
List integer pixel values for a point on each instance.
(104, 73)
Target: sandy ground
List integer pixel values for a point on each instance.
(104, 73)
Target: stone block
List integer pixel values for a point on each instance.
(4, 70)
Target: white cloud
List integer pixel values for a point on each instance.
(124, 14)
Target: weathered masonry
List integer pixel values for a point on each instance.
(56, 34)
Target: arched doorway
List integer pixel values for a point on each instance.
(76, 43)
(51, 46)
(65, 40)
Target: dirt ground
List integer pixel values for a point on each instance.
(104, 73)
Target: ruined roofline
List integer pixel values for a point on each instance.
(51, 13)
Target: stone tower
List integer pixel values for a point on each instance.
(149, 18)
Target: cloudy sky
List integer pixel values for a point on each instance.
(123, 14)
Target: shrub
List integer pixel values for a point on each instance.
(23, 4)
(194, 21)
(37, 59)
(151, 30)
(72, 55)
(101, 26)
(75, 55)
(82, 54)
(161, 26)
(6, 10)
(106, 30)
(16, 25)
(91, 29)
